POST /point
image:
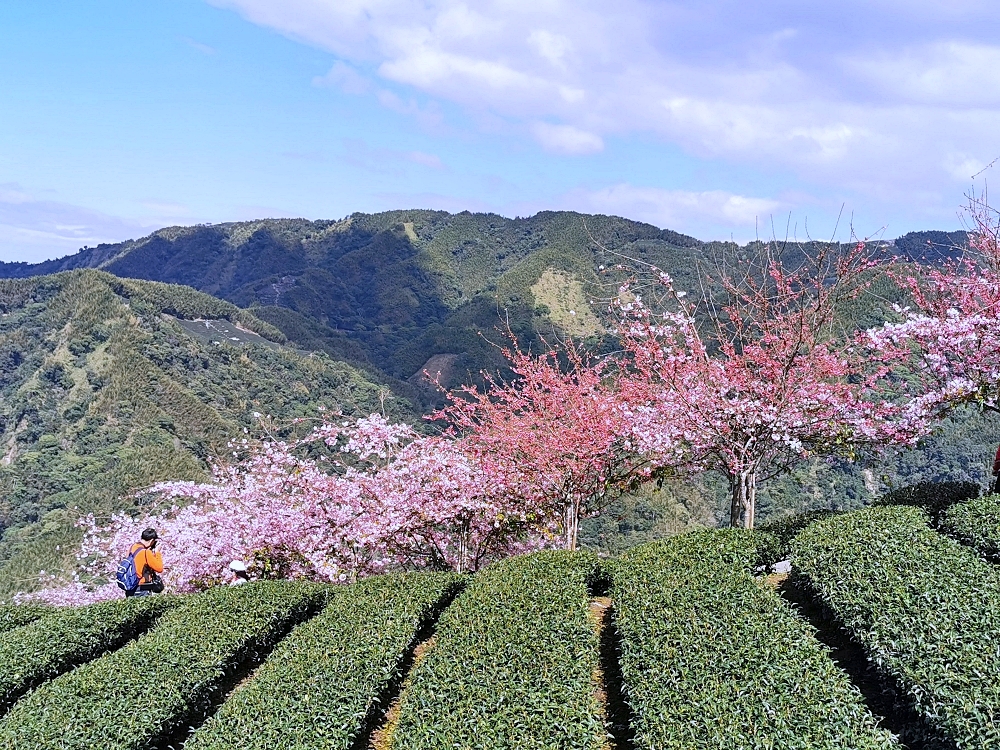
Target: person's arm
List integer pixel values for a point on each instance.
(996, 463)
(154, 560)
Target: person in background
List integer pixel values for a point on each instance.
(239, 573)
(996, 473)
(148, 564)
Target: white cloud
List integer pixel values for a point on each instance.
(32, 230)
(869, 96)
(202, 48)
(566, 139)
(945, 73)
(552, 47)
(681, 210)
(345, 78)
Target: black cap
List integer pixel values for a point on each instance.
(149, 534)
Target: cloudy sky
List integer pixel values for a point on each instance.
(718, 119)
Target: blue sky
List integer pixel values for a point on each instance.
(717, 119)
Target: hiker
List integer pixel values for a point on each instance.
(239, 572)
(996, 473)
(148, 565)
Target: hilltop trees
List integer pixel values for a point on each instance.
(751, 383)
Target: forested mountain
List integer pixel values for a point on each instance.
(111, 382)
(393, 290)
(109, 385)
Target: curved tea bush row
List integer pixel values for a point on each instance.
(925, 609)
(977, 524)
(933, 497)
(711, 658)
(513, 664)
(168, 677)
(321, 686)
(774, 539)
(15, 615)
(63, 638)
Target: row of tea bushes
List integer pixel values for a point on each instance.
(925, 609)
(63, 638)
(712, 658)
(774, 539)
(977, 524)
(321, 686)
(513, 665)
(933, 497)
(155, 686)
(15, 615)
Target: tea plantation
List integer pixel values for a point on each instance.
(700, 650)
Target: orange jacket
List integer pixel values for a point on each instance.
(147, 562)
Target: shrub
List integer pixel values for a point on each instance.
(977, 524)
(925, 609)
(710, 658)
(141, 695)
(933, 497)
(774, 539)
(15, 615)
(64, 638)
(513, 664)
(321, 686)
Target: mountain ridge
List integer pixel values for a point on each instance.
(394, 289)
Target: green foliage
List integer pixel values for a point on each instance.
(975, 523)
(322, 684)
(105, 395)
(710, 658)
(925, 610)
(774, 538)
(513, 664)
(15, 615)
(64, 638)
(933, 497)
(391, 289)
(156, 685)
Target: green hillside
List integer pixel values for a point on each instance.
(108, 385)
(394, 289)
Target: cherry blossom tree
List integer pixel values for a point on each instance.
(350, 498)
(550, 442)
(948, 341)
(752, 383)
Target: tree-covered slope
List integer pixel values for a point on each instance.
(107, 386)
(396, 288)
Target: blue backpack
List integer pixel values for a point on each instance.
(126, 575)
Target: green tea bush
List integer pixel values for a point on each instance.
(774, 538)
(15, 615)
(925, 609)
(321, 686)
(933, 497)
(64, 638)
(977, 524)
(514, 663)
(147, 691)
(711, 658)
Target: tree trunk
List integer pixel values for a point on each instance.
(571, 523)
(744, 499)
(463, 548)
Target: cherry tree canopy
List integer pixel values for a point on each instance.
(750, 385)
